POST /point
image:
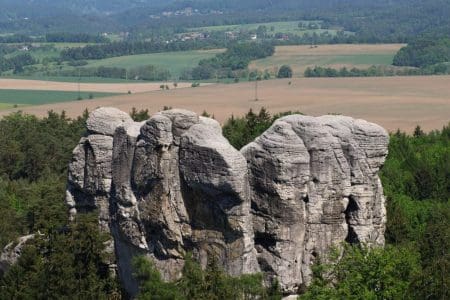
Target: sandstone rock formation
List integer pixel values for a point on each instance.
(173, 185)
(314, 185)
(11, 253)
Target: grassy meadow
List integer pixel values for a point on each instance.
(175, 62)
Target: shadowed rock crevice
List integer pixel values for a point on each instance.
(265, 240)
(350, 217)
(173, 184)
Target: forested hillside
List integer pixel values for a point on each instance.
(380, 21)
(66, 260)
(423, 52)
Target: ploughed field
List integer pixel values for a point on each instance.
(336, 56)
(124, 87)
(392, 102)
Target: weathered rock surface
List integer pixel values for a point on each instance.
(105, 120)
(314, 184)
(173, 185)
(11, 253)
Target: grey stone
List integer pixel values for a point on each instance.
(105, 120)
(314, 185)
(11, 253)
(173, 184)
(216, 192)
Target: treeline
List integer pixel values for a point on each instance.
(424, 52)
(19, 38)
(195, 283)
(5, 49)
(148, 72)
(229, 64)
(114, 49)
(377, 71)
(64, 260)
(326, 37)
(59, 37)
(240, 131)
(33, 167)
(16, 62)
(64, 263)
(371, 22)
(65, 37)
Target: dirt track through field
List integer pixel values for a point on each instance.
(393, 102)
(19, 84)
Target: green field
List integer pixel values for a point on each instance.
(175, 62)
(336, 56)
(12, 98)
(45, 50)
(290, 27)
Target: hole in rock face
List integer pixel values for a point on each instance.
(352, 237)
(350, 212)
(352, 207)
(306, 199)
(266, 240)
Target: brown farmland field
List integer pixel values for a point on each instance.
(334, 56)
(392, 102)
(21, 84)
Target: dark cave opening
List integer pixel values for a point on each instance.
(266, 240)
(352, 208)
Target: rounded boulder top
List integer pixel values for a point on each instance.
(105, 120)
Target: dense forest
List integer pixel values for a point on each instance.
(56, 37)
(231, 63)
(380, 21)
(66, 260)
(144, 72)
(114, 49)
(377, 71)
(16, 62)
(423, 52)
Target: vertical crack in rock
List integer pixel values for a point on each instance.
(173, 184)
(350, 213)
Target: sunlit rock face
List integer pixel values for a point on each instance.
(314, 184)
(173, 184)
